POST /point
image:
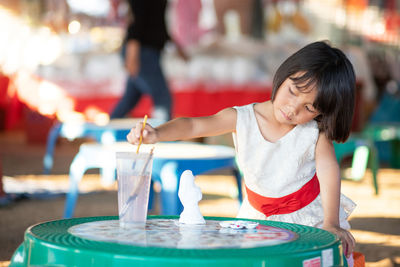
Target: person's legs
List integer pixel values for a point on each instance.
(128, 100)
(152, 74)
(150, 80)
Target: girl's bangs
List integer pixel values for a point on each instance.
(306, 82)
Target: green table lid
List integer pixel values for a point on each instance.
(52, 243)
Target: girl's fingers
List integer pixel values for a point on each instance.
(128, 137)
(352, 244)
(131, 137)
(353, 240)
(134, 134)
(348, 244)
(138, 129)
(345, 249)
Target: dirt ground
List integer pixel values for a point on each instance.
(375, 222)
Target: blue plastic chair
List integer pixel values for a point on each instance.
(364, 155)
(384, 126)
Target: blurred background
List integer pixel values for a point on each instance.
(61, 59)
(60, 62)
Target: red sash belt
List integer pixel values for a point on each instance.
(287, 204)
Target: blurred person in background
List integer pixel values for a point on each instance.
(145, 38)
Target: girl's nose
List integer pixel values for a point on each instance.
(292, 110)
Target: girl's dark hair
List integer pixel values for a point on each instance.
(329, 71)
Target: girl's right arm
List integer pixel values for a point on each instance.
(329, 179)
(186, 128)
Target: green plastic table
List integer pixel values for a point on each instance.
(59, 243)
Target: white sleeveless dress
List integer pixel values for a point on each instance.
(280, 168)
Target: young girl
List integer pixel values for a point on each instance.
(284, 145)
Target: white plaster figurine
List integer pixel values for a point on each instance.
(190, 195)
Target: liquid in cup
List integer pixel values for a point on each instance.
(134, 175)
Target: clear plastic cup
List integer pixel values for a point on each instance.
(134, 175)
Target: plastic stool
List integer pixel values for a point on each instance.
(364, 154)
(170, 160)
(90, 156)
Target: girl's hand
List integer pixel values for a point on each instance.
(345, 236)
(149, 134)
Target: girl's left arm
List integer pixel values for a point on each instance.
(328, 173)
